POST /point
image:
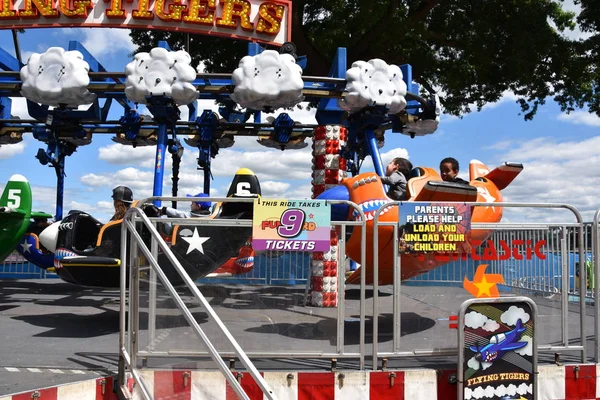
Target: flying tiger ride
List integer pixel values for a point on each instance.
(87, 252)
(15, 211)
(424, 185)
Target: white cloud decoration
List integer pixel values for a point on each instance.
(491, 326)
(475, 320)
(527, 350)
(424, 127)
(267, 81)
(57, 77)
(374, 83)
(161, 72)
(514, 313)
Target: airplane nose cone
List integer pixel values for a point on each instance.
(49, 236)
(478, 356)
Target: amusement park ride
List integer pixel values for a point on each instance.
(365, 101)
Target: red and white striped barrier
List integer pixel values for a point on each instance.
(554, 383)
(93, 389)
(571, 382)
(414, 384)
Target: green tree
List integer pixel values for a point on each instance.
(472, 51)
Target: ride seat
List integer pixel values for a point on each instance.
(85, 231)
(416, 172)
(110, 228)
(419, 176)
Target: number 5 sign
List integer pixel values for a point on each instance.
(291, 225)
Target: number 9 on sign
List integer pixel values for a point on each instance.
(292, 221)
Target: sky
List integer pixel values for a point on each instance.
(560, 152)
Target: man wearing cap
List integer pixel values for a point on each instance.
(122, 198)
(197, 209)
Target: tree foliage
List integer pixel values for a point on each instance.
(470, 51)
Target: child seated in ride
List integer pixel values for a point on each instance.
(449, 171)
(122, 199)
(397, 173)
(197, 209)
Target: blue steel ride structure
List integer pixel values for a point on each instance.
(62, 129)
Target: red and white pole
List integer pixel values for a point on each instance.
(328, 171)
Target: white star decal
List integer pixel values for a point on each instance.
(483, 191)
(195, 242)
(25, 246)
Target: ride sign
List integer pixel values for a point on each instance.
(291, 225)
(434, 227)
(497, 349)
(255, 20)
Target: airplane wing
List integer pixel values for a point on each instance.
(513, 346)
(446, 191)
(503, 175)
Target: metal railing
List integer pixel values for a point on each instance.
(128, 349)
(129, 339)
(552, 281)
(565, 249)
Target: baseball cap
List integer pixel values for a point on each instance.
(123, 193)
(202, 204)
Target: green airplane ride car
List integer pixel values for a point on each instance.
(15, 211)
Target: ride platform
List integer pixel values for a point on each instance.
(56, 333)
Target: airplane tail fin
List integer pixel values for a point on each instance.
(477, 169)
(245, 184)
(519, 324)
(17, 195)
(503, 175)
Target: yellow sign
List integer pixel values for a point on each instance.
(256, 20)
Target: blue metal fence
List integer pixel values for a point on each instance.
(16, 267)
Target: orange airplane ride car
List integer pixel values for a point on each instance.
(424, 185)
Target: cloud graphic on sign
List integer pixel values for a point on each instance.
(467, 394)
(374, 83)
(514, 313)
(501, 391)
(475, 320)
(268, 80)
(523, 389)
(478, 393)
(511, 390)
(474, 364)
(57, 77)
(161, 72)
(527, 350)
(489, 391)
(491, 326)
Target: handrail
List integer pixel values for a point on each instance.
(135, 212)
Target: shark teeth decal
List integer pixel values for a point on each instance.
(245, 261)
(364, 181)
(370, 207)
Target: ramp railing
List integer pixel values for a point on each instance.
(128, 338)
(140, 265)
